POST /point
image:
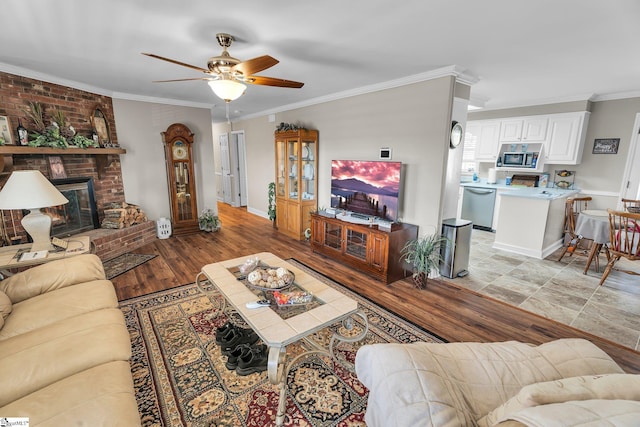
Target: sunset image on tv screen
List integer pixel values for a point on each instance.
(371, 188)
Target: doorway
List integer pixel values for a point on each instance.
(234, 170)
(631, 179)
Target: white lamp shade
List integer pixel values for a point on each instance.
(229, 90)
(29, 190)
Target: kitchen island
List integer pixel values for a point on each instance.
(527, 220)
(531, 221)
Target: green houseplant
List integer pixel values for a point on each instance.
(272, 203)
(208, 221)
(423, 254)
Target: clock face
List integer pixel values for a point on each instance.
(179, 151)
(456, 135)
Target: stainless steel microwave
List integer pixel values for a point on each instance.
(520, 159)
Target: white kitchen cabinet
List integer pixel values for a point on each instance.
(565, 142)
(523, 129)
(485, 134)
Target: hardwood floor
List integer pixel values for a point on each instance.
(447, 310)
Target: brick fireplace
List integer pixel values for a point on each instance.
(104, 170)
(107, 189)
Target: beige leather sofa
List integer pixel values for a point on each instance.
(568, 382)
(64, 347)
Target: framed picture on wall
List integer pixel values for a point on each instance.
(99, 122)
(6, 133)
(57, 167)
(606, 146)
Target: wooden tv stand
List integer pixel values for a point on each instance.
(368, 249)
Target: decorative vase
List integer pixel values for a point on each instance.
(420, 280)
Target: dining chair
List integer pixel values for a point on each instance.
(631, 205)
(573, 242)
(624, 241)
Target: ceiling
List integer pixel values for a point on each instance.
(516, 52)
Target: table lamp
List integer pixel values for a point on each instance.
(30, 189)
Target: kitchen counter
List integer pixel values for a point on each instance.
(531, 222)
(521, 191)
(527, 220)
(541, 193)
(483, 184)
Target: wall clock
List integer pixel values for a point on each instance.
(456, 134)
(178, 140)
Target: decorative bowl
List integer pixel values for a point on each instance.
(270, 278)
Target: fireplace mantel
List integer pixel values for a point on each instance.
(101, 154)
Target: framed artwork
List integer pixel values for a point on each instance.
(99, 122)
(5, 130)
(57, 167)
(606, 146)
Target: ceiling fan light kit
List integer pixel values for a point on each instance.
(226, 75)
(228, 90)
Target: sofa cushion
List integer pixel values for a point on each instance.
(611, 386)
(5, 306)
(53, 306)
(458, 383)
(582, 413)
(103, 394)
(53, 275)
(41, 357)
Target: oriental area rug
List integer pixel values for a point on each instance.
(180, 376)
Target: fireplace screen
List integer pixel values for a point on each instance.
(80, 214)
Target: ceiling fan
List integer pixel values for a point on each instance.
(226, 75)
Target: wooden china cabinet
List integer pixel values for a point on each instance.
(296, 180)
(178, 140)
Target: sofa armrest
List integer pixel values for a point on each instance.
(51, 276)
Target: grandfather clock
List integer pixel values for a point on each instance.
(182, 188)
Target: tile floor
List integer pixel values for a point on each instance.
(558, 290)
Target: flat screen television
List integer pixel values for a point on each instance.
(370, 188)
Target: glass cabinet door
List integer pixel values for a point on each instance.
(183, 192)
(281, 173)
(356, 244)
(308, 179)
(292, 168)
(333, 235)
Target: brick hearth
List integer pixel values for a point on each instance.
(110, 243)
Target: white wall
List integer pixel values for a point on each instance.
(139, 127)
(413, 120)
(451, 188)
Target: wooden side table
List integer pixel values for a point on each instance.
(10, 255)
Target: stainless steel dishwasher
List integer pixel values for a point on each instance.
(477, 206)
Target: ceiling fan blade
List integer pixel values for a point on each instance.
(255, 65)
(182, 80)
(173, 61)
(272, 81)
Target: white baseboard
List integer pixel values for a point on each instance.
(533, 253)
(258, 212)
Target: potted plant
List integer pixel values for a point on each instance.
(423, 254)
(272, 203)
(208, 221)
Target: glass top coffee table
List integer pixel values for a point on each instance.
(274, 326)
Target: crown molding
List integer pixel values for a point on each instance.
(547, 101)
(616, 95)
(167, 101)
(36, 75)
(593, 97)
(452, 70)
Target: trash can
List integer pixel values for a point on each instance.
(455, 253)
